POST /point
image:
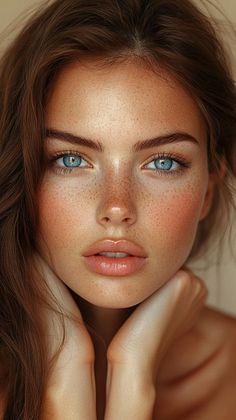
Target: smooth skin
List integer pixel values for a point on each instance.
(132, 369)
(161, 343)
(71, 388)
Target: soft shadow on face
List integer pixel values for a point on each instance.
(117, 193)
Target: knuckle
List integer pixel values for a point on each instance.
(188, 282)
(200, 286)
(112, 356)
(183, 279)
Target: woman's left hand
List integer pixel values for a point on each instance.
(135, 352)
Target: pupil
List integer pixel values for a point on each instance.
(163, 163)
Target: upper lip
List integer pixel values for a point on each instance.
(111, 245)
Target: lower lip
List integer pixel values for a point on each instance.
(109, 266)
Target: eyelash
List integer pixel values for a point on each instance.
(176, 158)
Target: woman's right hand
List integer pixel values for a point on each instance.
(158, 321)
(70, 390)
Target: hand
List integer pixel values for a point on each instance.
(77, 335)
(71, 391)
(146, 335)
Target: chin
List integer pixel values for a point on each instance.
(109, 301)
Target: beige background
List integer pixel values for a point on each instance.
(221, 280)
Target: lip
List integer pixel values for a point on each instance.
(109, 266)
(112, 245)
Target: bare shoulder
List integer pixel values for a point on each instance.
(225, 323)
(197, 378)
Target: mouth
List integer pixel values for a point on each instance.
(112, 257)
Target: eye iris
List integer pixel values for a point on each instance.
(71, 160)
(163, 163)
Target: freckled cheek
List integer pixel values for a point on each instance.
(175, 219)
(62, 213)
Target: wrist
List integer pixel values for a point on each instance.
(139, 375)
(71, 394)
(129, 394)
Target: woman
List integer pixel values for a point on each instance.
(117, 130)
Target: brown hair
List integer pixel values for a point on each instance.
(170, 33)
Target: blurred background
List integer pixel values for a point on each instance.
(220, 278)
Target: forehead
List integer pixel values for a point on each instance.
(125, 97)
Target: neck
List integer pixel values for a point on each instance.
(104, 322)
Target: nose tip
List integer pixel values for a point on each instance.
(117, 215)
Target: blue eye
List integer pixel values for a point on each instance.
(69, 162)
(165, 164)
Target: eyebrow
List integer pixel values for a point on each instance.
(137, 147)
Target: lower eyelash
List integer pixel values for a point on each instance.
(64, 170)
(180, 160)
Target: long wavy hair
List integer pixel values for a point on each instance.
(170, 33)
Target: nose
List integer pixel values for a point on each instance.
(117, 208)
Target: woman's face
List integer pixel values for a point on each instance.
(154, 200)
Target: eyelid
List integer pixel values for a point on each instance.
(174, 156)
(71, 152)
(155, 156)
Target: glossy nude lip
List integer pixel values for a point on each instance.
(111, 266)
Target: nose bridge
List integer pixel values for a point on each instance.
(117, 199)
